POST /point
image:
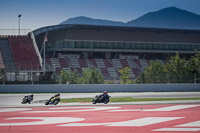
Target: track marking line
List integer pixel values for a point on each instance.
(66, 109)
(145, 121)
(131, 123)
(177, 129)
(172, 108)
(125, 110)
(14, 109)
(169, 108)
(41, 120)
(191, 124)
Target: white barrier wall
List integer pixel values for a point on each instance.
(84, 88)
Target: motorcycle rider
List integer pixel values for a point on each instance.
(29, 98)
(104, 95)
(53, 98)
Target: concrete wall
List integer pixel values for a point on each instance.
(98, 88)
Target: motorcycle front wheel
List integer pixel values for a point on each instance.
(47, 103)
(93, 101)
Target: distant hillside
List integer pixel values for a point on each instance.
(91, 21)
(170, 17)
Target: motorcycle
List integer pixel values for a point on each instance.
(26, 100)
(53, 101)
(101, 99)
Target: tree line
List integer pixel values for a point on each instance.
(175, 70)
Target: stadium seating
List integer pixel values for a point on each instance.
(113, 73)
(117, 63)
(74, 63)
(108, 63)
(124, 63)
(92, 62)
(132, 75)
(55, 62)
(132, 63)
(100, 63)
(83, 63)
(105, 72)
(6, 54)
(136, 72)
(108, 67)
(144, 63)
(24, 53)
(137, 62)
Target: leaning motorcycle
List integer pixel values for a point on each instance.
(26, 100)
(53, 101)
(101, 99)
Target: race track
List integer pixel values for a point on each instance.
(102, 119)
(12, 100)
(111, 118)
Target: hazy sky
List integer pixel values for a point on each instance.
(40, 13)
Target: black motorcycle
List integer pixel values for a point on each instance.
(53, 101)
(26, 100)
(101, 99)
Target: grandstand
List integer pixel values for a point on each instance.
(107, 48)
(19, 58)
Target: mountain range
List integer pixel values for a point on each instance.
(171, 17)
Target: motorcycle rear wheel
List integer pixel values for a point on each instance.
(106, 101)
(56, 102)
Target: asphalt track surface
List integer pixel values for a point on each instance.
(111, 118)
(12, 100)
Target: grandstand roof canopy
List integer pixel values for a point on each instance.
(75, 37)
(117, 33)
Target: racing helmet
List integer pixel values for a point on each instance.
(105, 92)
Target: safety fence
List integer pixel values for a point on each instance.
(85, 88)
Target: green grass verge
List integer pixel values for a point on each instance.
(126, 99)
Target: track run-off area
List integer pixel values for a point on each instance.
(157, 118)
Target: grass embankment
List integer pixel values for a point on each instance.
(127, 99)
